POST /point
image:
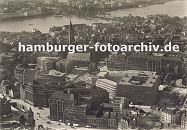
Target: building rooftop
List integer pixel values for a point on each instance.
(29, 66)
(48, 58)
(56, 73)
(63, 95)
(79, 56)
(106, 81)
(154, 57)
(108, 105)
(139, 78)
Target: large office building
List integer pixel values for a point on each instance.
(76, 114)
(93, 95)
(143, 62)
(139, 87)
(50, 75)
(57, 104)
(117, 62)
(41, 89)
(152, 62)
(108, 85)
(38, 94)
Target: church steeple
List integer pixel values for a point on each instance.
(71, 33)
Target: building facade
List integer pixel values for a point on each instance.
(57, 104)
(143, 62)
(108, 85)
(26, 74)
(184, 120)
(119, 104)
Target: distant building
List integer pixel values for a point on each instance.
(75, 26)
(184, 120)
(5, 107)
(9, 58)
(108, 85)
(96, 122)
(65, 66)
(123, 124)
(3, 72)
(119, 104)
(1, 114)
(26, 74)
(47, 63)
(4, 86)
(108, 121)
(153, 63)
(142, 62)
(170, 116)
(135, 84)
(22, 91)
(80, 59)
(117, 62)
(50, 75)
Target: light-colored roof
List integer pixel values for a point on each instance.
(56, 73)
(106, 81)
(79, 56)
(143, 78)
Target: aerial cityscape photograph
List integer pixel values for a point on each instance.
(93, 64)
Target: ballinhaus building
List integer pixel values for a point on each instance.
(139, 87)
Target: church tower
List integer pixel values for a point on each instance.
(71, 33)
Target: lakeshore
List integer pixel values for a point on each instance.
(45, 22)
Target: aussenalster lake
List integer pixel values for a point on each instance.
(172, 8)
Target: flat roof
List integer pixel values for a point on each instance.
(79, 56)
(129, 72)
(63, 95)
(154, 57)
(48, 58)
(56, 73)
(139, 78)
(106, 81)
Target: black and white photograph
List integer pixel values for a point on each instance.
(93, 64)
